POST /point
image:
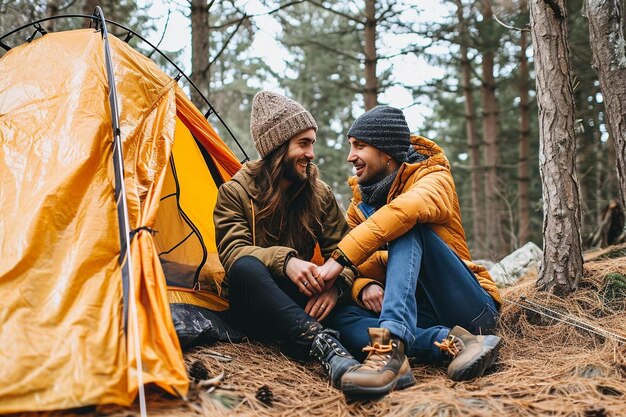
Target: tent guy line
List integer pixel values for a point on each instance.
(545, 311)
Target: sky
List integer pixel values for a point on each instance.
(409, 70)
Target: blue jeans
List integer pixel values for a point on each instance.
(428, 290)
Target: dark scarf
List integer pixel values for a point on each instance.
(376, 194)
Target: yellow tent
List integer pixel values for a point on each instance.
(64, 340)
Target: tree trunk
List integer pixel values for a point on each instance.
(89, 6)
(612, 182)
(478, 204)
(370, 95)
(562, 264)
(495, 242)
(199, 51)
(606, 34)
(523, 170)
(52, 9)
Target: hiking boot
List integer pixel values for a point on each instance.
(471, 355)
(385, 368)
(298, 346)
(335, 359)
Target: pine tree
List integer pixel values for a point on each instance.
(606, 30)
(562, 264)
(467, 42)
(326, 81)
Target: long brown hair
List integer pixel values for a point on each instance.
(293, 216)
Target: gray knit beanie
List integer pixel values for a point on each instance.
(275, 119)
(384, 128)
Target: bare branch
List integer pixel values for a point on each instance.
(414, 50)
(474, 71)
(330, 49)
(227, 41)
(337, 12)
(167, 22)
(387, 19)
(236, 21)
(495, 17)
(382, 14)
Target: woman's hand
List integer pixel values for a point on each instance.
(305, 276)
(320, 305)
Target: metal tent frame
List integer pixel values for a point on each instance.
(100, 22)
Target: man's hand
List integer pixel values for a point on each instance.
(329, 272)
(320, 305)
(372, 297)
(305, 276)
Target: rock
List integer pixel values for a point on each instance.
(519, 263)
(590, 371)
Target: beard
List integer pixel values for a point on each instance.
(372, 179)
(291, 172)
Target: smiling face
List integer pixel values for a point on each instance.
(298, 157)
(371, 164)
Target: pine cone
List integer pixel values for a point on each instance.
(596, 412)
(265, 395)
(198, 371)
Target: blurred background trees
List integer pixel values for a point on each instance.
(340, 58)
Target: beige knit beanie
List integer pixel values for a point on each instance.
(275, 119)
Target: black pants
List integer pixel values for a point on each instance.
(268, 308)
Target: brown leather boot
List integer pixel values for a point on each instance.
(386, 368)
(471, 355)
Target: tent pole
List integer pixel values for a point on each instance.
(128, 281)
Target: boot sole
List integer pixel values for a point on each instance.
(404, 381)
(482, 363)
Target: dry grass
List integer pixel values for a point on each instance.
(545, 368)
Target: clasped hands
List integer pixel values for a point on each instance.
(316, 282)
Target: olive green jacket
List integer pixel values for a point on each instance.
(236, 234)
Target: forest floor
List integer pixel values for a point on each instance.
(571, 366)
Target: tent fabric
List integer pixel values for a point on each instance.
(62, 341)
(185, 224)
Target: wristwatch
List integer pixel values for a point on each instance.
(341, 258)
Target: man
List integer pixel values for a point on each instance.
(408, 244)
(272, 220)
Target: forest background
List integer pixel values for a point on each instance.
(340, 58)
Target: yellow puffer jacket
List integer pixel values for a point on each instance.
(422, 192)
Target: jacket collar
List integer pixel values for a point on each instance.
(435, 156)
(243, 178)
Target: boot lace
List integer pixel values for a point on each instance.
(377, 355)
(452, 345)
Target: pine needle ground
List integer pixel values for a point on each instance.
(546, 367)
